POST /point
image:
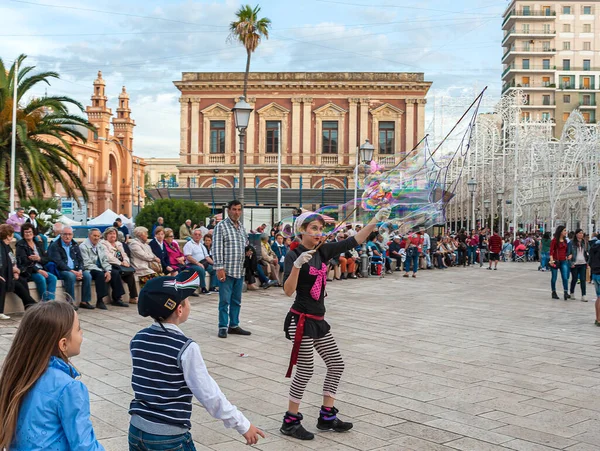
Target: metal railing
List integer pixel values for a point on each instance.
(542, 31)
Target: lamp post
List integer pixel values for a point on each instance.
(486, 206)
(366, 152)
(500, 195)
(471, 185)
(241, 114)
(139, 191)
(13, 138)
(572, 211)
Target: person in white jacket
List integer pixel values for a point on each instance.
(96, 262)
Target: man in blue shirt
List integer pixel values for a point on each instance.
(66, 255)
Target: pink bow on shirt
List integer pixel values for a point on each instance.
(321, 281)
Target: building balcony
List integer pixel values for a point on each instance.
(579, 69)
(529, 87)
(515, 14)
(529, 68)
(531, 50)
(540, 105)
(585, 104)
(512, 34)
(572, 87)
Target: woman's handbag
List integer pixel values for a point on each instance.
(124, 269)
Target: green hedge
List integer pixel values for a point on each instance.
(174, 212)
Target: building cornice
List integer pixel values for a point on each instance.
(304, 81)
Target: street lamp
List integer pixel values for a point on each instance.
(486, 206)
(572, 211)
(500, 195)
(241, 113)
(471, 185)
(365, 152)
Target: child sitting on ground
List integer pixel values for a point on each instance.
(168, 370)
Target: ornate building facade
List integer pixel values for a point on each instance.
(318, 120)
(114, 175)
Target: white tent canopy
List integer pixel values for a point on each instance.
(67, 221)
(107, 218)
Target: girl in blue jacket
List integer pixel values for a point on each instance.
(42, 404)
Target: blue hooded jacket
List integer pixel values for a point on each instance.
(55, 413)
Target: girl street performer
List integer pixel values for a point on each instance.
(305, 274)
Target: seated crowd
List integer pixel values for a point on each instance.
(113, 260)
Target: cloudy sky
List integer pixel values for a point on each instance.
(145, 45)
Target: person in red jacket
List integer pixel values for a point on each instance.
(495, 247)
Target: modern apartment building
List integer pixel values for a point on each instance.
(552, 53)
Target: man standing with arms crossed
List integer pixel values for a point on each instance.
(229, 246)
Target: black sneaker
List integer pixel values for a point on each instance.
(222, 333)
(86, 306)
(119, 303)
(328, 421)
(204, 290)
(101, 305)
(238, 331)
(292, 427)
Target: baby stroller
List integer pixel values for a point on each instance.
(520, 253)
(507, 250)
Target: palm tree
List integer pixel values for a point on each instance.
(248, 29)
(43, 154)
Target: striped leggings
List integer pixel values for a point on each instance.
(329, 352)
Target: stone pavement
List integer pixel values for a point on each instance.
(464, 359)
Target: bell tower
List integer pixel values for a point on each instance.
(98, 113)
(123, 124)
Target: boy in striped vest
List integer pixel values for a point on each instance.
(168, 370)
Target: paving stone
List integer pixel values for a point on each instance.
(426, 367)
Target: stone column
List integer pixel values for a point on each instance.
(420, 119)
(184, 130)
(352, 129)
(364, 121)
(195, 125)
(295, 131)
(306, 131)
(410, 124)
(251, 152)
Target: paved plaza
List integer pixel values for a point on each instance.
(464, 359)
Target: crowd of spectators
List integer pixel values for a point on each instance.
(113, 260)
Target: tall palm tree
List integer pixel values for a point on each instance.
(43, 154)
(248, 29)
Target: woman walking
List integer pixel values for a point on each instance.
(579, 257)
(559, 261)
(305, 275)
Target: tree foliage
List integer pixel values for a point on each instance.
(248, 29)
(43, 154)
(174, 212)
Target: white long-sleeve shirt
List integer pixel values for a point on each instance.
(206, 390)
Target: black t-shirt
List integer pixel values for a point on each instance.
(482, 239)
(310, 290)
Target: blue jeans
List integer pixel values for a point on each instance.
(564, 268)
(545, 258)
(261, 274)
(18, 236)
(46, 288)
(412, 262)
(427, 256)
(472, 254)
(213, 276)
(143, 441)
(43, 239)
(578, 272)
(201, 272)
(230, 302)
(596, 281)
(69, 281)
